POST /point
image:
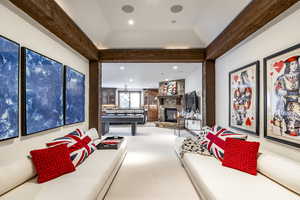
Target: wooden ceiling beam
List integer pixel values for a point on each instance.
(252, 18)
(50, 15)
(151, 55)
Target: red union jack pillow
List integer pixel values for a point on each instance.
(80, 145)
(69, 139)
(215, 140)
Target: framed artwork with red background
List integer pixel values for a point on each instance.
(244, 98)
(282, 96)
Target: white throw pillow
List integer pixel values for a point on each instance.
(93, 133)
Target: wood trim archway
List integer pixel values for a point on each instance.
(151, 55)
(49, 14)
(172, 56)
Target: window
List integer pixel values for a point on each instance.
(124, 100)
(130, 99)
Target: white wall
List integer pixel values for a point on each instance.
(278, 35)
(194, 80)
(17, 26)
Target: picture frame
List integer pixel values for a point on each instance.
(244, 98)
(168, 88)
(42, 92)
(281, 102)
(74, 92)
(9, 88)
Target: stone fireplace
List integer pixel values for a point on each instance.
(170, 103)
(168, 108)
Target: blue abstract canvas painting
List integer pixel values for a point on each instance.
(74, 96)
(9, 89)
(43, 102)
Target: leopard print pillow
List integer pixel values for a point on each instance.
(193, 145)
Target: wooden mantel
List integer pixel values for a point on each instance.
(170, 96)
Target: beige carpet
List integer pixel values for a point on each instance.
(151, 169)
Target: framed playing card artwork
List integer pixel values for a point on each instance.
(282, 96)
(243, 98)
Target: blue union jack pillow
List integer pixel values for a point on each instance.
(214, 140)
(80, 145)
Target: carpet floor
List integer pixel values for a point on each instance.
(151, 169)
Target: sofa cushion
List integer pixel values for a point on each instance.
(216, 182)
(215, 140)
(83, 184)
(282, 170)
(52, 162)
(16, 173)
(241, 155)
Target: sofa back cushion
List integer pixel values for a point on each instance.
(280, 169)
(15, 173)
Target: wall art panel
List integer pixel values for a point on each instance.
(74, 96)
(9, 88)
(42, 92)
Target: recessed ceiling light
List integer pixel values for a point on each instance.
(122, 68)
(130, 80)
(131, 22)
(166, 79)
(176, 8)
(127, 8)
(175, 67)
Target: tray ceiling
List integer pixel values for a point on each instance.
(154, 23)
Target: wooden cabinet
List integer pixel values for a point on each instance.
(151, 104)
(150, 96)
(152, 113)
(109, 96)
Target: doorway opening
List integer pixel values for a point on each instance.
(140, 95)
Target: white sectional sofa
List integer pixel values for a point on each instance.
(90, 181)
(278, 178)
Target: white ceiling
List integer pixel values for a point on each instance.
(144, 75)
(197, 25)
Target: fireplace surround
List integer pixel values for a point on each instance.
(170, 104)
(170, 115)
